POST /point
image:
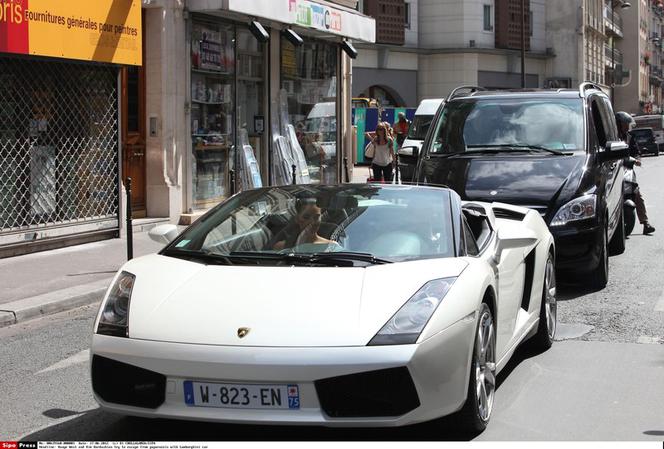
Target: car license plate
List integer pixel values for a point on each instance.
(205, 394)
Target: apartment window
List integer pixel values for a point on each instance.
(406, 16)
(488, 21)
(531, 23)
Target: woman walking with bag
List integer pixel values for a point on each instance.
(380, 150)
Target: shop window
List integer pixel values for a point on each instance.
(309, 82)
(212, 118)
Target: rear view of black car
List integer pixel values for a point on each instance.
(555, 151)
(645, 139)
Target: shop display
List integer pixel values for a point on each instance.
(212, 114)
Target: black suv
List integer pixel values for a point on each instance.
(645, 140)
(555, 151)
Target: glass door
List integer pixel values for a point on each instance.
(250, 109)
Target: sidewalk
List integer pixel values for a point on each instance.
(53, 281)
(361, 173)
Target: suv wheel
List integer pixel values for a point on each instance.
(600, 275)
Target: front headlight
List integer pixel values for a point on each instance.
(114, 317)
(578, 209)
(406, 325)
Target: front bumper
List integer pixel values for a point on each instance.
(439, 368)
(577, 248)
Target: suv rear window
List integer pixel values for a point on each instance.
(418, 129)
(555, 123)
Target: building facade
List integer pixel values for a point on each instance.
(220, 96)
(447, 44)
(233, 87)
(642, 50)
(60, 120)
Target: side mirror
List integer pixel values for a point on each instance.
(510, 238)
(165, 233)
(614, 150)
(409, 152)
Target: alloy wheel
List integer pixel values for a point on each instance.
(485, 365)
(550, 305)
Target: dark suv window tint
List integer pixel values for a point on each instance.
(611, 128)
(598, 122)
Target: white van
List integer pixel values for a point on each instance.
(421, 122)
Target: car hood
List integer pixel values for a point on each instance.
(528, 180)
(186, 302)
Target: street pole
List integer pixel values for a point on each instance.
(523, 43)
(130, 229)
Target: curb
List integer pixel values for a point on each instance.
(57, 301)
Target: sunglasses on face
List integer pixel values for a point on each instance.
(307, 216)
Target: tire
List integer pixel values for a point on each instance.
(630, 220)
(476, 412)
(546, 329)
(617, 245)
(600, 275)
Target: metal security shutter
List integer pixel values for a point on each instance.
(58, 151)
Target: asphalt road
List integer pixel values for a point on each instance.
(601, 381)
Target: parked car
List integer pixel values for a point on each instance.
(222, 325)
(645, 140)
(654, 121)
(555, 151)
(417, 132)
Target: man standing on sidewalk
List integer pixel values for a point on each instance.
(401, 128)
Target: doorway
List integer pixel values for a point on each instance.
(133, 134)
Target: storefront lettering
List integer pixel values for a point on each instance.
(316, 16)
(11, 12)
(72, 30)
(303, 15)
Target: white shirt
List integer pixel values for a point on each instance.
(382, 155)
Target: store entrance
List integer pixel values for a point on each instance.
(133, 136)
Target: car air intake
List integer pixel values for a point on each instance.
(125, 384)
(386, 392)
(499, 212)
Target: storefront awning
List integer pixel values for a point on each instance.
(317, 15)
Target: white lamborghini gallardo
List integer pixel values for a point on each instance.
(349, 305)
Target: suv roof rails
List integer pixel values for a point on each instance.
(586, 85)
(456, 90)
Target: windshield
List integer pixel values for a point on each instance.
(418, 129)
(393, 223)
(555, 124)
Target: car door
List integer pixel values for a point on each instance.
(614, 168)
(510, 283)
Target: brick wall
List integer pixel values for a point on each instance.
(508, 24)
(389, 15)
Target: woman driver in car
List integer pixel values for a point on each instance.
(304, 228)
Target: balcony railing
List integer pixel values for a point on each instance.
(617, 55)
(613, 22)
